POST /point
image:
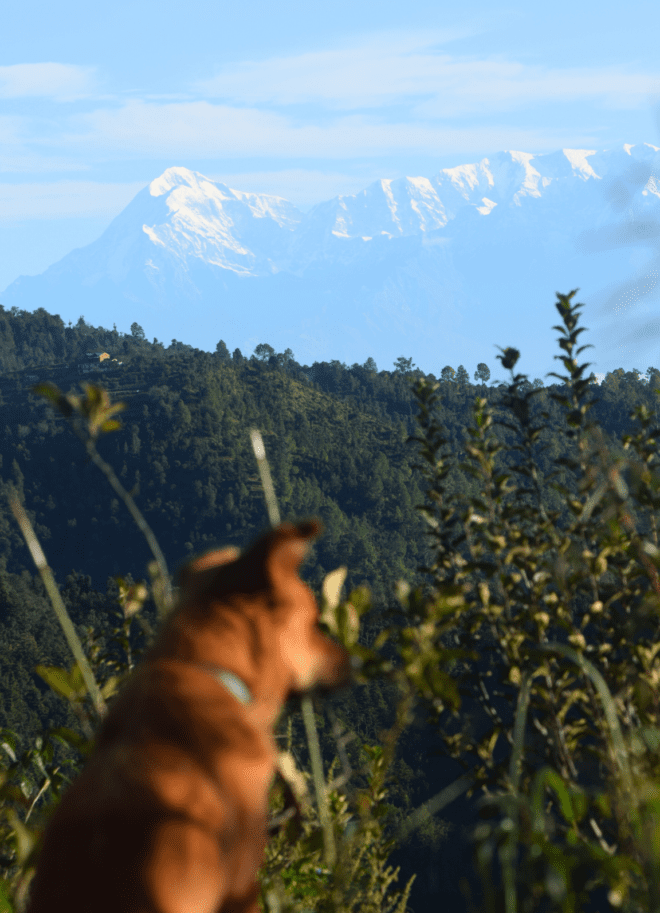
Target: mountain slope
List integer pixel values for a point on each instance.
(439, 268)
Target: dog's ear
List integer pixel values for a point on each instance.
(196, 576)
(289, 545)
(213, 559)
(275, 556)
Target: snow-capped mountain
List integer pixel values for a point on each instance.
(441, 269)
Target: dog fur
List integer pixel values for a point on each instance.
(170, 812)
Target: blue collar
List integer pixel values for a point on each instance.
(233, 684)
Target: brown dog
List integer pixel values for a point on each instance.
(170, 813)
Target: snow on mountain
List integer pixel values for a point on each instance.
(183, 216)
(402, 207)
(439, 268)
(213, 223)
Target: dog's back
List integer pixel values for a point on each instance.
(169, 815)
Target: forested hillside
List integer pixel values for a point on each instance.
(337, 438)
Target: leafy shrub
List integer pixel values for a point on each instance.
(548, 621)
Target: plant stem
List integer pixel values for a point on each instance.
(58, 605)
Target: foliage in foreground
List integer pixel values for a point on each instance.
(548, 622)
(535, 653)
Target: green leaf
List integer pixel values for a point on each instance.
(68, 684)
(331, 591)
(70, 737)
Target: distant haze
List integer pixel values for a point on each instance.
(440, 269)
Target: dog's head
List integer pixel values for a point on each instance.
(261, 589)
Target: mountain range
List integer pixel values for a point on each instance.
(439, 269)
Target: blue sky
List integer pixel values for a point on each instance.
(306, 100)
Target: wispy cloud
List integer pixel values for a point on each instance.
(411, 67)
(203, 129)
(482, 87)
(372, 72)
(386, 98)
(59, 81)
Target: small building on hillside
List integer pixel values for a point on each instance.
(97, 361)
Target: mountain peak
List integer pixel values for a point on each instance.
(176, 176)
(443, 265)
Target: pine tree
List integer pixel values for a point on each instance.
(482, 373)
(222, 351)
(462, 376)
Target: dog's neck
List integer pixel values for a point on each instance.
(227, 642)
